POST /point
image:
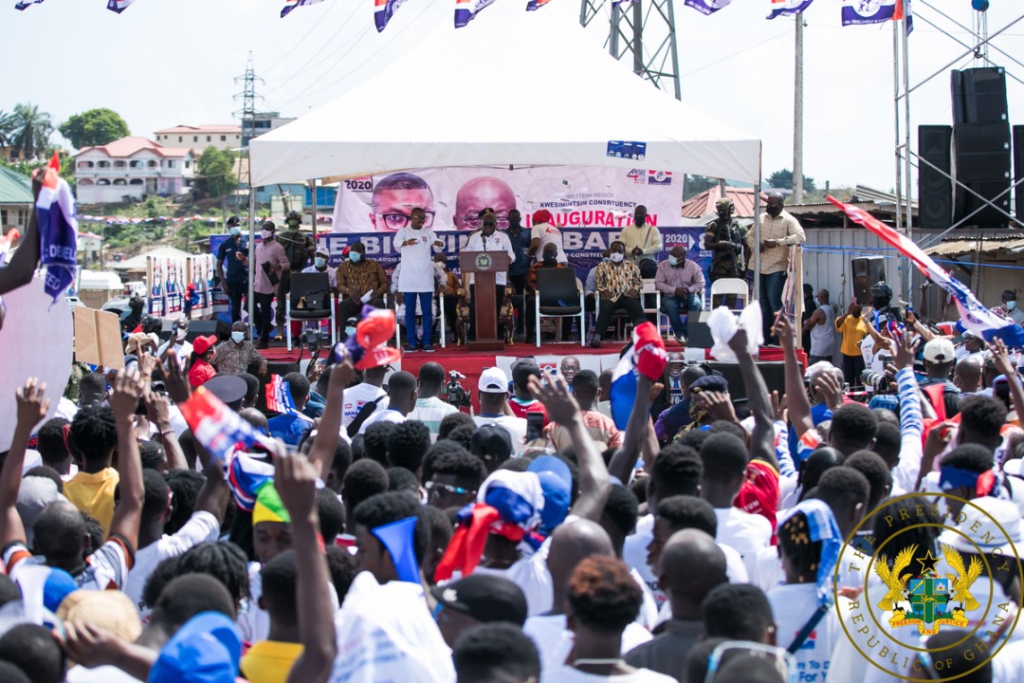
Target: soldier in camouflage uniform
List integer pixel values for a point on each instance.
(300, 249)
(724, 238)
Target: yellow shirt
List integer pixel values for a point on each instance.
(269, 661)
(853, 329)
(94, 494)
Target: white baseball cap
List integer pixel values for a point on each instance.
(493, 380)
(939, 350)
(991, 525)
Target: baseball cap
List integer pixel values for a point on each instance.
(202, 344)
(491, 443)
(228, 388)
(711, 383)
(484, 597)
(939, 351)
(205, 650)
(34, 494)
(234, 220)
(979, 530)
(494, 381)
(556, 483)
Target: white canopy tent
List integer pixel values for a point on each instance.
(512, 88)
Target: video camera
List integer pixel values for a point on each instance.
(454, 393)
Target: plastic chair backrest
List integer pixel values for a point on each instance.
(730, 285)
(304, 283)
(554, 284)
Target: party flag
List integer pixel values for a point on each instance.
(536, 4)
(58, 229)
(218, 428)
(647, 357)
(25, 4)
(784, 8)
(466, 10)
(383, 10)
(856, 12)
(269, 506)
(289, 6)
(279, 395)
(707, 6)
(974, 315)
(118, 5)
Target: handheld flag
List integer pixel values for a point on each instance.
(383, 10)
(246, 476)
(974, 315)
(397, 537)
(269, 507)
(785, 8)
(58, 229)
(646, 356)
(368, 347)
(118, 5)
(289, 6)
(279, 395)
(466, 10)
(218, 428)
(707, 6)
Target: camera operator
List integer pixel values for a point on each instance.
(939, 359)
(456, 394)
(430, 408)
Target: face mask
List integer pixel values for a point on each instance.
(320, 262)
(773, 211)
(293, 223)
(235, 232)
(180, 334)
(550, 259)
(639, 220)
(673, 261)
(267, 234)
(238, 337)
(355, 257)
(617, 256)
(1010, 305)
(605, 258)
(350, 331)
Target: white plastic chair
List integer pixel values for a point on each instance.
(730, 285)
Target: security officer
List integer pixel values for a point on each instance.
(234, 282)
(724, 237)
(300, 249)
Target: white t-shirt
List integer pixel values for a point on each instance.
(770, 574)
(547, 234)
(202, 526)
(101, 674)
(745, 533)
(533, 578)
(417, 263)
(568, 674)
(496, 242)
(358, 396)
(793, 605)
(515, 426)
(385, 415)
(554, 641)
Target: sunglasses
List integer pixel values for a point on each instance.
(433, 486)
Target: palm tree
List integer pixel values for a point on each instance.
(30, 130)
(6, 125)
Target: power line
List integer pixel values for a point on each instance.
(313, 27)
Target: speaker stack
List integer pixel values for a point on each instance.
(981, 146)
(867, 272)
(934, 188)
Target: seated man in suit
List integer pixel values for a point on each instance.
(360, 281)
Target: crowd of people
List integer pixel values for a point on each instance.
(373, 531)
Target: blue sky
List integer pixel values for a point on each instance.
(168, 62)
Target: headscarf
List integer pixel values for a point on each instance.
(821, 525)
(542, 216)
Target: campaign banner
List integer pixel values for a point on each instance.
(200, 274)
(174, 290)
(577, 196)
(156, 268)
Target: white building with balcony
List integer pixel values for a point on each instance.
(200, 137)
(132, 167)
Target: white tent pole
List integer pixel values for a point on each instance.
(252, 256)
(757, 238)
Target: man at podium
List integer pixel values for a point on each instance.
(489, 239)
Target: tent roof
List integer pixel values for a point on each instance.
(139, 262)
(513, 87)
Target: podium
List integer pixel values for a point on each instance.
(484, 266)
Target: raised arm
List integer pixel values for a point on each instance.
(123, 402)
(18, 272)
(624, 460)
(911, 423)
(158, 412)
(762, 440)
(797, 403)
(32, 408)
(595, 485)
(321, 454)
(295, 481)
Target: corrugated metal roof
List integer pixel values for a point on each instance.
(984, 245)
(863, 193)
(704, 203)
(15, 188)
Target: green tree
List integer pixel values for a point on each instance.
(30, 130)
(695, 184)
(783, 180)
(215, 169)
(6, 128)
(94, 127)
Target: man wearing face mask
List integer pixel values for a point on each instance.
(1009, 308)
(177, 344)
(360, 281)
(489, 239)
(724, 238)
(779, 231)
(679, 280)
(299, 248)
(236, 282)
(271, 262)
(643, 242)
(618, 285)
(234, 356)
(320, 266)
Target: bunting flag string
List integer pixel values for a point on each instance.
(25, 4)
(289, 5)
(785, 8)
(466, 10)
(118, 5)
(708, 6)
(536, 4)
(383, 11)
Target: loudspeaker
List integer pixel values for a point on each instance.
(698, 334)
(774, 374)
(204, 328)
(982, 151)
(867, 272)
(934, 189)
(966, 203)
(979, 95)
(1018, 171)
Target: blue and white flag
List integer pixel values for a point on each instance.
(466, 10)
(707, 6)
(383, 10)
(25, 4)
(58, 230)
(536, 4)
(871, 11)
(784, 8)
(118, 5)
(291, 4)
(973, 314)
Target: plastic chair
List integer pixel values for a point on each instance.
(558, 295)
(730, 285)
(303, 285)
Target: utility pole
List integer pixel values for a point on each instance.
(247, 114)
(798, 113)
